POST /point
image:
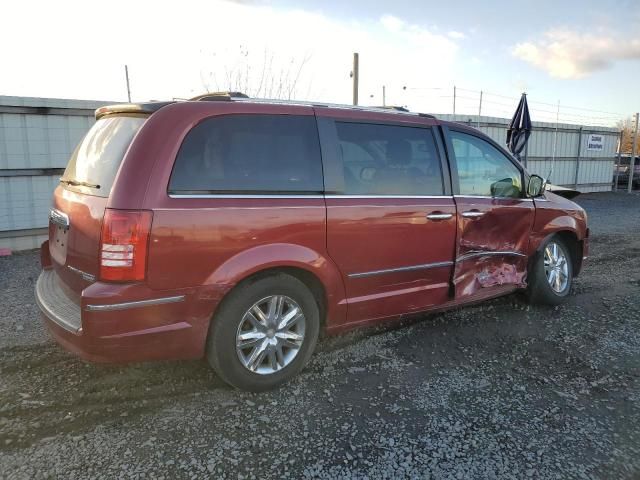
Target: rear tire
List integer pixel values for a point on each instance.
(264, 333)
(551, 273)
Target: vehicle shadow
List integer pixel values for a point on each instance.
(47, 391)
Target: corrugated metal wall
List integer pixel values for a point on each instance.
(594, 168)
(37, 136)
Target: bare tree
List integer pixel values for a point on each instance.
(628, 130)
(266, 77)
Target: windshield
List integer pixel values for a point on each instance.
(95, 161)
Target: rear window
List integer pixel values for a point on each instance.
(249, 154)
(95, 161)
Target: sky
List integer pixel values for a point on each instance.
(583, 54)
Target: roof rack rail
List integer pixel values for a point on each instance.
(393, 110)
(401, 109)
(218, 96)
(241, 97)
(393, 107)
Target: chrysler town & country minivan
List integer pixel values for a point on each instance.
(240, 230)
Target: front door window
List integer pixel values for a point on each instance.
(483, 170)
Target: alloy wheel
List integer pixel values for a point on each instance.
(556, 267)
(270, 334)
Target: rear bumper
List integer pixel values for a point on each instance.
(126, 322)
(56, 305)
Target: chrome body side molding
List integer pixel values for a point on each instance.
(239, 195)
(471, 255)
(425, 266)
(142, 303)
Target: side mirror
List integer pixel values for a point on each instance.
(536, 186)
(504, 188)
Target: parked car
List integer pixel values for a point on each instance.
(240, 230)
(623, 168)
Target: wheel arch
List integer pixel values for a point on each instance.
(316, 271)
(311, 281)
(570, 239)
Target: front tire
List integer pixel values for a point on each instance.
(551, 273)
(264, 333)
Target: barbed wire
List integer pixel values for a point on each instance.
(467, 102)
(542, 103)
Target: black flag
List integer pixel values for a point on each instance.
(519, 128)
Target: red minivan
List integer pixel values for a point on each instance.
(240, 229)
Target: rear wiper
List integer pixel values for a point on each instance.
(79, 184)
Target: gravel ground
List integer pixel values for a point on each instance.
(500, 389)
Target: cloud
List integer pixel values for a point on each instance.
(389, 47)
(456, 35)
(569, 55)
(392, 23)
(183, 55)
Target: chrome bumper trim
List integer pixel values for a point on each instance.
(141, 303)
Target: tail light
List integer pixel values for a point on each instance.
(124, 243)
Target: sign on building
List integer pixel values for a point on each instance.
(595, 141)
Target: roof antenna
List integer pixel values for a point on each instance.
(126, 74)
(555, 141)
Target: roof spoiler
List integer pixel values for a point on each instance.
(140, 108)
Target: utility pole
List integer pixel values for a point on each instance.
(354, 74)
(480, 108)
(126, 74)
(620, 139)
(555, 137)
(578, 152)
(633, 157)
(384, 96)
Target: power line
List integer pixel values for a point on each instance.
(542, 103)
(466, 103)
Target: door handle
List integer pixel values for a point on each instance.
(472, 214)
(439, 216)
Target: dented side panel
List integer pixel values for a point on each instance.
(493, 243)
(557, 214)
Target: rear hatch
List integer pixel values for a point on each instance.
(80, 200)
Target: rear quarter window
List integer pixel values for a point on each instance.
(249, 154)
